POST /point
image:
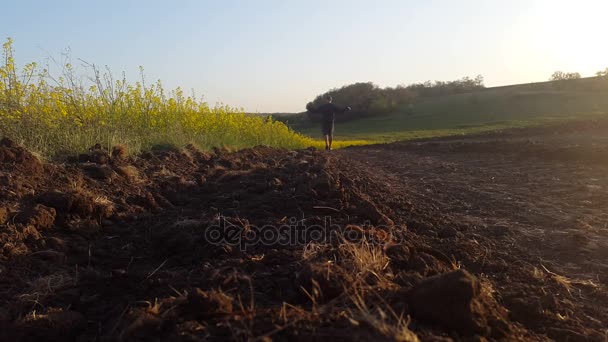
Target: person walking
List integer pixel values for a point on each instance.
(328, 112)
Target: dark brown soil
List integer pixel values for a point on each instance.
(497, 236)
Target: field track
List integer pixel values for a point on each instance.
(495, 236)
(537, 199)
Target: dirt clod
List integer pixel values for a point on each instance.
(20, 159)
(54, 326)
(129, 172)
(205, 304)
(3, 215)
(39, 216)
(399, 254)
(99, 157)
(68, 203)
(450, 300)
(6, 142)
(322, 282)
(119, 152)
(101, 172)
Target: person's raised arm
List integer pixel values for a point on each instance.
(342, 109)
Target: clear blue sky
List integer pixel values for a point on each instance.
(277, 55)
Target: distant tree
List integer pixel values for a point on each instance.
(365, 98)
(563, 76)
(400, 95)
(602, 73)
(558, 75)
(479, 81)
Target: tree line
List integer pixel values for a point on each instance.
(368, 99)
(565, 76)
(565, 81)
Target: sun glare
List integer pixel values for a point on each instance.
(572, 35)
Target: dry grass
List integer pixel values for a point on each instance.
(129, 172)
(367, 306)
(381, 318)
(312, 249)
(42, 288)
(364, 306)
(364, 257)
(119, 151)
(103, 201)
(164, 173)
(567, 283)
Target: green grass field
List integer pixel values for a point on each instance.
(486, 110)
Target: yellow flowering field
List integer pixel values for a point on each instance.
(55, 116)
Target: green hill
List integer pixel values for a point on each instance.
(487, 109)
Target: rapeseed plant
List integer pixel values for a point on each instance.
(56, 116)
